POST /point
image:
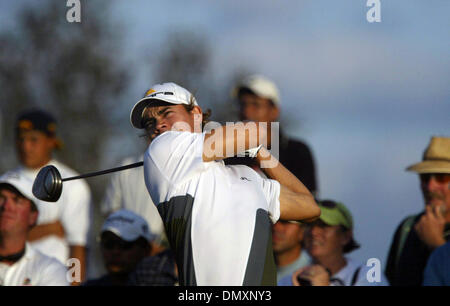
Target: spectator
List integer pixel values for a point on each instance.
(62, 229)
(418, 235)
(126, 241)
(156, 270)
(287, 242)
(437, 271)
(327, 241)
(259, 101)
(127, 191)
(20, 263)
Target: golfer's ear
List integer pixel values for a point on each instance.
(197, 110)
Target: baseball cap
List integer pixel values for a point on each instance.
(37, 120)
(166, 92)
(22, 184)
(335, 213)
(260, 86)
(436, 158)
(127, 225)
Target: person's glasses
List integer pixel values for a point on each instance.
(328, 204)
(109, 244)
(439, 177)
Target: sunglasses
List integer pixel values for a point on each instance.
(109, 244)
(439, 177)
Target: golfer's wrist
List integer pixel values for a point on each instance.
(263, 154)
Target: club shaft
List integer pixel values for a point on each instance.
(138, 164)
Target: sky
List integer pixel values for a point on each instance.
(366, 97)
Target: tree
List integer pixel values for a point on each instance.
(71, 70)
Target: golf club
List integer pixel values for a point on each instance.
(48, 183)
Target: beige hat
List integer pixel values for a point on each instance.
(436, 158)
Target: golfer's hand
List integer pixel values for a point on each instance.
(430, 227)
(316, 274)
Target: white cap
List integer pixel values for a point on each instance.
(127, 225)
(20, 182)
(166, 92)
(260, 86)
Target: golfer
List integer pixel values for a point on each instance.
(218, 218)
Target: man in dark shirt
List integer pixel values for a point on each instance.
(259, 101)
(418, 235)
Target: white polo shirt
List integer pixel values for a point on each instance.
(33, 269)
(127, 190)
(217, 217)
(73, 210)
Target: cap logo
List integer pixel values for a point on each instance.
(25, 125)
(120, 219)
(150, 91)
(166, 93)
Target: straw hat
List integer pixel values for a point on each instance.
(436, 158)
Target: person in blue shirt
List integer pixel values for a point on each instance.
(437, 271)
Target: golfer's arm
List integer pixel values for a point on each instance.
(296, 202)
(236, 139)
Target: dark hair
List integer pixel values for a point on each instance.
(352, 244)
(205, 116)
(245, 90)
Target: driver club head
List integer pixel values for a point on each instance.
(48, 184)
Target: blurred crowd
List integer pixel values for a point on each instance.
(38, 239)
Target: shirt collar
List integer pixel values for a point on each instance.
(29, 251)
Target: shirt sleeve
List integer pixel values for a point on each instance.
(271, 190)
(53, 273)
(177, 155)
(76, 215)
